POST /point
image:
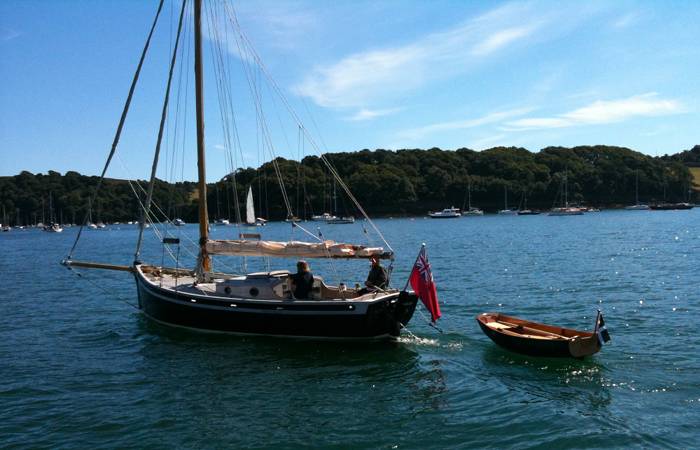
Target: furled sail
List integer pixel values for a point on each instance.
(294, 249)
(249, 208)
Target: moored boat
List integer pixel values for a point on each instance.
(447, 213)
(341, 220)
(671, 206)
(472, 211)
(637, 206)
(227, 305)
(507, 211)
(54, 228)
(323, 217)
(537, 339)
(565, 211)
(274, 303)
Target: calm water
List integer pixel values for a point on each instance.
(79, 367)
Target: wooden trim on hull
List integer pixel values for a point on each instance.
(341, 320)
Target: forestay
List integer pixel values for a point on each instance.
(294, 249)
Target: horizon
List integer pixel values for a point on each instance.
(382, 75)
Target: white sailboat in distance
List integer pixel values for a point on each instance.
(250, 218)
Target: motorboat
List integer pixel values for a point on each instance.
(447, 213)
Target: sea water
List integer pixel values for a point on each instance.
(80, 367)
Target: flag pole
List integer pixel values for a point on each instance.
(408, 280)
(597, 322)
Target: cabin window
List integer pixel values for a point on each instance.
(254, 292)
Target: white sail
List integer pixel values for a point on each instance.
(293, 249)
(249, 208)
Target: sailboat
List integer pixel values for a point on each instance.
(338, 220)
(52, 227)
(6, 227)
(471, 210)
(527, 211)
(250, 218)
(259, 303)
(506, 211)
(565, 209)
(637, 206)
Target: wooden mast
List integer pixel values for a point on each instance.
(202, 172)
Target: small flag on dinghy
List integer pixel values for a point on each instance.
(422, 282)
(600, 330)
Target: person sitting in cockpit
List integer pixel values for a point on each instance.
(302, 282)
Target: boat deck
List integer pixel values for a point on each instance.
(258, 286)
(521, 330)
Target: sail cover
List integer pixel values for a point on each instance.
(249, 208)
(294, 249)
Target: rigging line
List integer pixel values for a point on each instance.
(245, 50)
(234, 20)
(332, 169)
(160, 131)
(298, 167)
(178, 103)
(170, 170)
(118, 133)
(224, 94)
(227, 111)
(155, 230)
(147, 217)
(296, 225)
(102, 288)
(158, 209)
(230, 97)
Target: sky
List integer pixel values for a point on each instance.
(359, 74)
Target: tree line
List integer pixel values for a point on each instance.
(385, 182)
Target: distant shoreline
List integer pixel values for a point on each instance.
(404, 183)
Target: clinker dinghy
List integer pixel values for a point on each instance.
(537, 339)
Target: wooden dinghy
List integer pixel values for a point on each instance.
(537, 339)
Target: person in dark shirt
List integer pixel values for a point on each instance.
(302, 282)
(377, 279)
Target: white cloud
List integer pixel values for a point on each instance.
(283, 24)
(369, 114)
(366, 77)
(627, 20)
(494, 117)
(603, 112)
(500, 39)
(487, 142)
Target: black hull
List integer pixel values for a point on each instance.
(532, 347)
(671, 206)
(381, 319)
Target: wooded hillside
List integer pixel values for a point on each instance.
(385, 182)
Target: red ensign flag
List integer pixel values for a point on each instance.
(421, 280)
